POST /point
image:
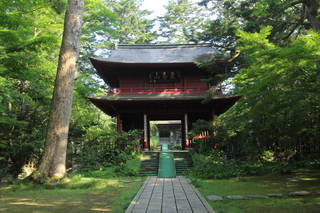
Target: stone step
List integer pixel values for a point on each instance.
(183, 165)
(149, 173)
(150, 164)
(183, 162)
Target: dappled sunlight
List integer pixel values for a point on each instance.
(101, 209)
(73, 202)
(28, 203)
(80, 195)
(145, 157)
(310, 179)
(264, 185)
(6, 199)
(101, 203)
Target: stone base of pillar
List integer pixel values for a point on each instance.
(145, 146)
(187, 144)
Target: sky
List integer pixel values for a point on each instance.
(155, 6)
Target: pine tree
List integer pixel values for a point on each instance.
(53, 163)
(183, 22)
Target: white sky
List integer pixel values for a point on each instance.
(155, 6)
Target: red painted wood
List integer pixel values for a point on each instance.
(201, 137)
(138, 84)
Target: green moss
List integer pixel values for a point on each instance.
(79, 195)
(301, 180)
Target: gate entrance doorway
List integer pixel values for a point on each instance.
(160, 83)
(166, 132)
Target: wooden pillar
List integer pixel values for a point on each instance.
(148, 134)
(186, 142)
(119, 124)
(145, 132)
(183, 136)
(213, 114)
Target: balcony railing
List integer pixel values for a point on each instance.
(126, 91)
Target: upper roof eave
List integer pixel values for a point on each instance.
(161, 54)
(160, 46)
(103, 61)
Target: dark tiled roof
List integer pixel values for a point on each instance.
(112, 103)
(180, 53)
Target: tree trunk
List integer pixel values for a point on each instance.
(53, 162)
(313, 13)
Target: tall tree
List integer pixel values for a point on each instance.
(132, 25)
(287, 18)
(279, 109)
(183, 22)
(53, 162)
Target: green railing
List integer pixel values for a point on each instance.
(166, 163)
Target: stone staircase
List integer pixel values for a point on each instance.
(182, 161)
(149, 164)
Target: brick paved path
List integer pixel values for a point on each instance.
(168, 195)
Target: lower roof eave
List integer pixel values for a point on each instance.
(111, 106)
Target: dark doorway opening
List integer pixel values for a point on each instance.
(166, 132)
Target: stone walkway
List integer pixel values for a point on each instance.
(168, 195)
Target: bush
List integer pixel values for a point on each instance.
(108, 150)
(129, 168)
(214, 165)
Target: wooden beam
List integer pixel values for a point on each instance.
(145, 132)
(214, 123)
(119, 124)
(186, 142)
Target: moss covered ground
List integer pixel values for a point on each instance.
(303, 179)
(80, 194)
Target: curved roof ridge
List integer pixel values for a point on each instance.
(151, 53)
(160, 46)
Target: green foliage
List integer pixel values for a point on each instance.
(29, 44)
(280, 97)
(287, 18)
(200, 126)
(132, 25)
(154, 142)
(103, 149)
(30, 38)
(300, 180)
(78, 193)
(212, 166)
(129, 168)
(202, 145)
(183, 22)
(217, 165)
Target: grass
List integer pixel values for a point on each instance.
(130, 168)
(80, 194)
(300, 180)
(154, 140)
(103, 190)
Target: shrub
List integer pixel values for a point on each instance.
(108, 150)
(214, 165)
